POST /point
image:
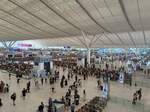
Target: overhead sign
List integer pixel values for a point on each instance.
(25, 45)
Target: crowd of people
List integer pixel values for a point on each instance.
(73, 81)
(111, 73)
(4, 87)
(17, 68)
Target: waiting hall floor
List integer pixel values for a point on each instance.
(121, 95)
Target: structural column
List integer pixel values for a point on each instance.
(51, 65)
(126, 52)
(112, 59)
(88, 41)
(88, 56)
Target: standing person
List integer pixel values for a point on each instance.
(130, 81)
(50, 105)
(7, 88)
(139, 92)
(71, 75)
(68, 76)
(45, 79)
(69, 92)
(76, 78)
(100, 85)
(18, 80)
(63, 99)
(53, 89)
(1, 104)
(28, 86)
(84, 95)
(61, 84)
(9, 76)
(66, 82)
(134, 98)
(63, 78)
(13, 97)
(72, 107)
(42, 81)
(107, 66)
(24, 91)
(41, 107)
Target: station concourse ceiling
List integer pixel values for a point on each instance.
(107, 23)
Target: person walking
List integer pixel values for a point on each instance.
(9, 76)
(139, 92)
(42, 80)
(76, 78)
(66, 82)
(72, 107)
(7, 88)
(134, 98)
(61, 84)
(50, 105)
(41, 107)
(68, 76)
(1, 104)
(24, 91)
(28, 86)
(18, 80)
(13, 97)
(84, 95)
(53, 89)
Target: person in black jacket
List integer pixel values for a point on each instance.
(13, 97)
(24, 91)
(28, 87)
(66, 82)
(41, 107)
(9, 76)
(139, 92)
(1, 104)
(72, 107)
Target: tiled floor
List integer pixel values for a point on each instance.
(121, 95)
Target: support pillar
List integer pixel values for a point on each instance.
(88, 41)
(112, 59)
(88, 56)
(51, 65)
(137, 52)
(126, 53)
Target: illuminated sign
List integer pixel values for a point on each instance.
(25, 45)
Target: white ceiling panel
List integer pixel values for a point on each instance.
(138, 37)
(105, 40)
(114, 39)
(61, 20)
(126, 38)
(5, 4)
